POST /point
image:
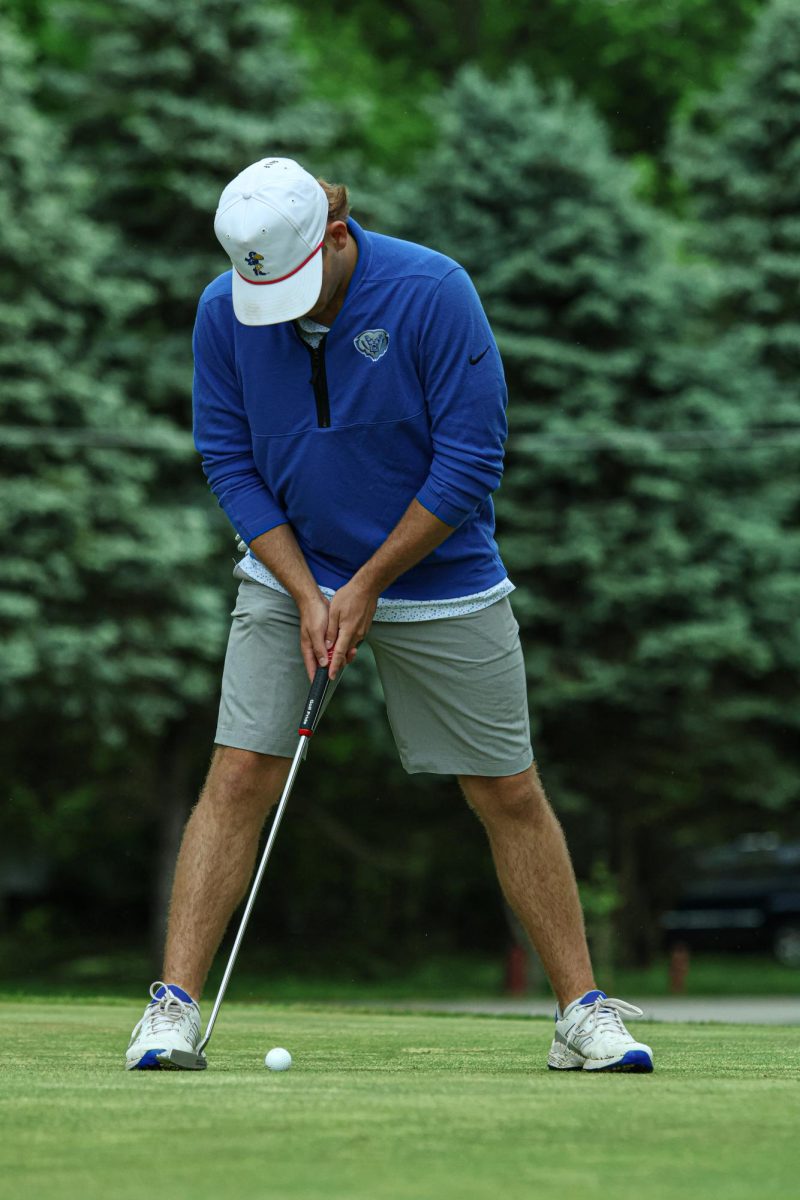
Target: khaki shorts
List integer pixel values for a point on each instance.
(454, 687)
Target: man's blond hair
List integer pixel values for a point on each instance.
(338, 200)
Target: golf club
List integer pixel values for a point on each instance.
(182, 1059)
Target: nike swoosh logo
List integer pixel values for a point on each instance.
(474, 361)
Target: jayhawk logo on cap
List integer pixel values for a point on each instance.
(372, 343)
(255, 260)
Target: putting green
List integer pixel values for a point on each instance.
(381, 1106)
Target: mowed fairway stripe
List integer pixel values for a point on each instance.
(382, 1106)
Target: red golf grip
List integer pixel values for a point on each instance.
(313, 709)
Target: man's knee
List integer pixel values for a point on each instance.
(510, 798)
(244, 776)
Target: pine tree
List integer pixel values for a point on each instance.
(619, 513)
(737, 152)
(167, 104)
(84, 541)
(110, 636)
(160, 107)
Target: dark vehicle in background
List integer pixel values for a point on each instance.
(743, 896)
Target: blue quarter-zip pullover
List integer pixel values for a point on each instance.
(405, 398)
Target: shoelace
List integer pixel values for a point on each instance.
(167, 1011)
(605, 1015)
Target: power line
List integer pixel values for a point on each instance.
(170, 441)
(645, 439)
(177, 442)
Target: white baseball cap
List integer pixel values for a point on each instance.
(271, 222)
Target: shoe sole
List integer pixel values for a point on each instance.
(168, 1060)
(633, 1062)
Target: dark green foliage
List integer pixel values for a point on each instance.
(85, 616)
(637, 516)
(119, 560)
(104, 649)
(739, 151)
(169, 104)
(636, 62)
(649, 511)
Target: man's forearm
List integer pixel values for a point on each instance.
(417, 534)
(352, 609)
(278, 550)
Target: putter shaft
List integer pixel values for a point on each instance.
(308, 724)
(298, 758)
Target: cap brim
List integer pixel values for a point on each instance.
(271, 303)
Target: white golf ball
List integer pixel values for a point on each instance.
(278, 1059)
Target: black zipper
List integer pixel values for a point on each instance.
(319, 382)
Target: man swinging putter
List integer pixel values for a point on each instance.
(350, 410)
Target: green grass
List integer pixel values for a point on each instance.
(389, 1107)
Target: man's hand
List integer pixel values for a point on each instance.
(313, 630)
(349, 618)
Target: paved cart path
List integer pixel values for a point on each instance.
(739, 1010)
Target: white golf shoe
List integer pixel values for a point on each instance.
(171, 1021)
(590, 1036)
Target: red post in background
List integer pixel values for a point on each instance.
(516, 971)
(678, 968)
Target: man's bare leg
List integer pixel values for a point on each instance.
(535, 873)
(216, 859)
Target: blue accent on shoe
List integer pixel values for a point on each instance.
(176, 991)
(590, 997)
(638, 1061)
(149, 1061)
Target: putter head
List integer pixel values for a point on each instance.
(181, 1060)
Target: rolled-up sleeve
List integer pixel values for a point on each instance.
(466, 397)
(221, 429)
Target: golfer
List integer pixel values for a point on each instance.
(349, 405)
